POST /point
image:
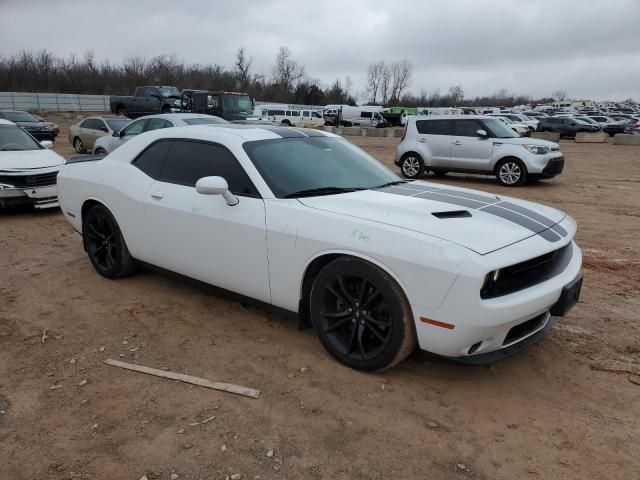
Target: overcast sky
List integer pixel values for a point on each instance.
(591, 48)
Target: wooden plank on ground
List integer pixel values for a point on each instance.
(203, 382)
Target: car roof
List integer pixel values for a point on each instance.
(179, 116)
(5, 122)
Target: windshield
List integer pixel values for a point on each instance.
(13, 138)
(20, 117)
(117, 124)
(167, 91)
(498, 129)
(291, 165)
(504, 120)
(237, 103)
(204, 121)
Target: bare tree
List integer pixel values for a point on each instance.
(243, 68)
(348, 85)
(456, 94)
(400, 79)
(375, 72)
(385, 83)
(559, 95)
(286, 71)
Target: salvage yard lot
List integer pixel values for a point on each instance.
(566, 408)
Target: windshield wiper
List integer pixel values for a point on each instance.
(312, 192)
(390, 184)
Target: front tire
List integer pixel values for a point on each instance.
(121, 112)
(361, 315)
(411, 166)
(286, 123)
(511, 172)
(105, 244)
(78, 146)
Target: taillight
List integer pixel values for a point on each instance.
(404, 131)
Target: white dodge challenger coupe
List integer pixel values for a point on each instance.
(305, 221)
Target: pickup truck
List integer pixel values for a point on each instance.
(147, 101)
(231, 106)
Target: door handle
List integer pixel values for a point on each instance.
(423, 140)
(457, 142)
(157, 195)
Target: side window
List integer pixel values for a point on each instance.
(99, 125)
(151, 160)
(134, 128)
(305, 113)
(295, 113)
(86, 123)
(189, 161)
(317, 115)
(467, 128)
(434, 127)
(365, 114)
(214, 101)
(156, 123)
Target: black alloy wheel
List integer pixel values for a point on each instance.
(361, 315)
(105, 245)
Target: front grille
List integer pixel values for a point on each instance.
(555, 165)
(30, 181)
(525, 329)
(527, 274)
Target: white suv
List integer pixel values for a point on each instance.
(475, 144)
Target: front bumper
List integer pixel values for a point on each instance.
(475, 326)
(36, 188)
(39, 197)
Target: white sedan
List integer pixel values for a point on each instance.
(307, 222)
(107, 144)
(28, 169)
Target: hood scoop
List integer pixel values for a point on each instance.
(451, 214)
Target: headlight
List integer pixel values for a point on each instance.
(490, 282)
(537, 150)
(177, 103)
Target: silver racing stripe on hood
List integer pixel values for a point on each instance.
(533, 221)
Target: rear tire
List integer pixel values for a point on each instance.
(286, 123)
(411, 165)
(105, 245)
(361, 315)
(511, 172)
(100, 151)
(121, 112)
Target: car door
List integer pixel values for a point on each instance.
(470, 151)
(95, 129)
(152, 101)
(433, 142)
(201, 236)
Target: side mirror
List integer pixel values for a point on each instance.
(482, 133)
(46, 143)
(116, 133)
(216, 186)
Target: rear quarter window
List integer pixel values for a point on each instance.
(434, 127)
(152, 159)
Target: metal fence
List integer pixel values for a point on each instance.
(55, 102)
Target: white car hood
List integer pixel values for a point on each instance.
(487, 222)
(13, 161)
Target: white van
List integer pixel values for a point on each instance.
(290, 117)
(442, 111)
(366, 116)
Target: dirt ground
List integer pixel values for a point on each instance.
(567, 408)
